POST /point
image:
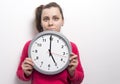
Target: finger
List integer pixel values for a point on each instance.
(72, 54)
(28, 72)
(73, 57)
(27, 66)
(73, 62)
(28, 61)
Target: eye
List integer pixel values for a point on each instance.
(55, 18)
(45, 19)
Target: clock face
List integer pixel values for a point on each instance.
(50, 52)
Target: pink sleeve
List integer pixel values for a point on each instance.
(79, 73)
(20, 72)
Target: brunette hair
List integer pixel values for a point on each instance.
(39, 12)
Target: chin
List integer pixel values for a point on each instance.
(52, 30)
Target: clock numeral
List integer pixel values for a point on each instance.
(41, 64)
(62, 60)
(44, 40)
(57, 41)
(62, 46)
(39, 44)
(63, 53)
(56, 65)
(36, 58)
(35, 51)
(48, 66)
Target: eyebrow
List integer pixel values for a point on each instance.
(52, 16)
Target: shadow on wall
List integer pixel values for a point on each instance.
(33, 30)
(18, 81)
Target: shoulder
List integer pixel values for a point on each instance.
(26, 45)
(72, 44)
(74, 47)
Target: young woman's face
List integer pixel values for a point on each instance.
(51, 19)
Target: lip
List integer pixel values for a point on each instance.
(52, 29)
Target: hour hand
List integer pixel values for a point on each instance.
(50, 54)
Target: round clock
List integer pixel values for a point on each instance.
(50, 51)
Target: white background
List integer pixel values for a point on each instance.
(94, 25)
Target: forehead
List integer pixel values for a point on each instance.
(51, 11)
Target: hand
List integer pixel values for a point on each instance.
(50, 54)
(27, 66)
(73, 64)
(50, 44)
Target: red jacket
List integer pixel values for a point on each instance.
(61, 78)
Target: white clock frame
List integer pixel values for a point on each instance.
(32, 55)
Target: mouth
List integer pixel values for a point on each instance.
(52, 29)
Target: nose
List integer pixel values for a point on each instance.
(50, 23)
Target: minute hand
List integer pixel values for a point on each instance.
(50, 44)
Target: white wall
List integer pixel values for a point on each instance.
(94, 25)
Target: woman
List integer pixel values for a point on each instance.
(50, 17)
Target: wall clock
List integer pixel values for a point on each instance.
(50, 51)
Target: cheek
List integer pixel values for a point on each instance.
(59, 24)
(43, 24)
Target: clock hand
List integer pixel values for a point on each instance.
(50, 44)
(52, 57)
(58, 54)
(50, 54)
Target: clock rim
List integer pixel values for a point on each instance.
(56, 34)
